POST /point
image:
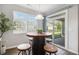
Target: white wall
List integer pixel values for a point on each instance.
(0, 8)
(12, 39)
(73, 28)
(9, 9)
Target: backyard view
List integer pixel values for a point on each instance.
(57, 29)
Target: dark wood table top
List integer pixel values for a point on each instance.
(35, 34)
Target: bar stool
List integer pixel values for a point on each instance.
(23, 48)
(30, 41)
(49, 48)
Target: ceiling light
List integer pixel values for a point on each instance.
(39, 16)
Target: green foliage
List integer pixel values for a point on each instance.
(39, 30)
(58, 27)
(5, 24)
(57, 32)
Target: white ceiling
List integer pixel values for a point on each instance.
(45, 9)
(42, 7)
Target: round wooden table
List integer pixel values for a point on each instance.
(38, 42)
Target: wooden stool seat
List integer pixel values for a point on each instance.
(23, 47)
(50, 48)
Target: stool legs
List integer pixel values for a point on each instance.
(51, 53)
(24, 52)
(19, 52)
(54, 53)
(29, 51)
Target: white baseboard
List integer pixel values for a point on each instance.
(72, 51)
(11, 47)
(66, 49)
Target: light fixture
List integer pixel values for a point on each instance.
(39, 16)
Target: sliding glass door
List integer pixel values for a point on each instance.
(57, 28)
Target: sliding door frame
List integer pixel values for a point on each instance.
(58, 15)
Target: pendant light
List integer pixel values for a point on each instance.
(39, 16)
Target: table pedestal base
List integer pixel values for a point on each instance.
(38, 46)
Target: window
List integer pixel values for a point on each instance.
(24, 22)
(49, 25)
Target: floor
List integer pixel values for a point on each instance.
(14, 51)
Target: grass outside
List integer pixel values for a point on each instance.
(57, 34)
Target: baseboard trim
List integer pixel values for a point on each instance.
(11, 47)
(66, 49)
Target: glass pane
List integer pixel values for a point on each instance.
(59, 29)
(24, 22)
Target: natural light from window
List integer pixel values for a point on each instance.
(24, 22)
